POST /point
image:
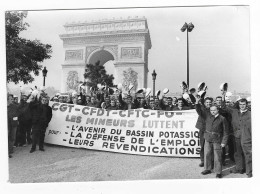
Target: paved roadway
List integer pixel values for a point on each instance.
(63, 164)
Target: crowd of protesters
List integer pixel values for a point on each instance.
(27, 121)
(224, 126)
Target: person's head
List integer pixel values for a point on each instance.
(156, 101)
(44, 100)
(228, 103)
(169, 101)
(180, 102)
(174, 100)
(61, 99)
(214, 109)
(165, 102)
(88, 98)
(129, 99)
(75, 100)
(92, 99)
(218, 100)
(15, 99)
(68, 100)
(107, 100)
(242, 104)
(112, 102)
(151, 103)
(142, 101)
(79, 100)
(208, 102)
(24, 98)
(55, 99)
(118, 104)
(10, 99)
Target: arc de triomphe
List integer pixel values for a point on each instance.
(124, 41)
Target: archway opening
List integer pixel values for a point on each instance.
(105, 58)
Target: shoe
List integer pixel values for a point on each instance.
(235, 171)
(249, 176)
(219, 176)
(10, 156)
(32, 150)
(41, 149)
(201, 164)
(22, 145)
(206, 172)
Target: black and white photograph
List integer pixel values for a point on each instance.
(139, 94)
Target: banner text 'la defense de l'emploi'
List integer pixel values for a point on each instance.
(138, 131)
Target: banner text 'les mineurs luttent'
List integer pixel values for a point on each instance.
(138, 131)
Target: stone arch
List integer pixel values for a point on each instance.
(125, 41)
(105, 55)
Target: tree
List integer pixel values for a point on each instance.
(96, 74)
(22, 55)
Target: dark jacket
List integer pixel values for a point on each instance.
(201, 124)
(13, 113)
(176, 108)
(241, 124)
(216, 127)
(41, 114)
(169, 108)
(25, 111)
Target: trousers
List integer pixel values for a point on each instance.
(243, 156)
(215, 148)
(25, 132)
(11, 138)
(230, 145)
(202, 142)
(38, 135)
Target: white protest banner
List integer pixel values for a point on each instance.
(138, 131)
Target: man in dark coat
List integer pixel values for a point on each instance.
(201, 125)
(25, 122)
(216, 136)
(41, 116)
(13, 113)
(241, 124)
(222, 111)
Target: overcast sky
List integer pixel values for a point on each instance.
(219, 44)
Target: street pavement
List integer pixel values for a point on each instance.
(64, 164)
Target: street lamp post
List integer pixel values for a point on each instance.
(154, 78)
(44, 73)
(189, 27)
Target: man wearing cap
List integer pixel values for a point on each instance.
(216, 135)
(13, 113)
(41, 116)
(241, 124)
